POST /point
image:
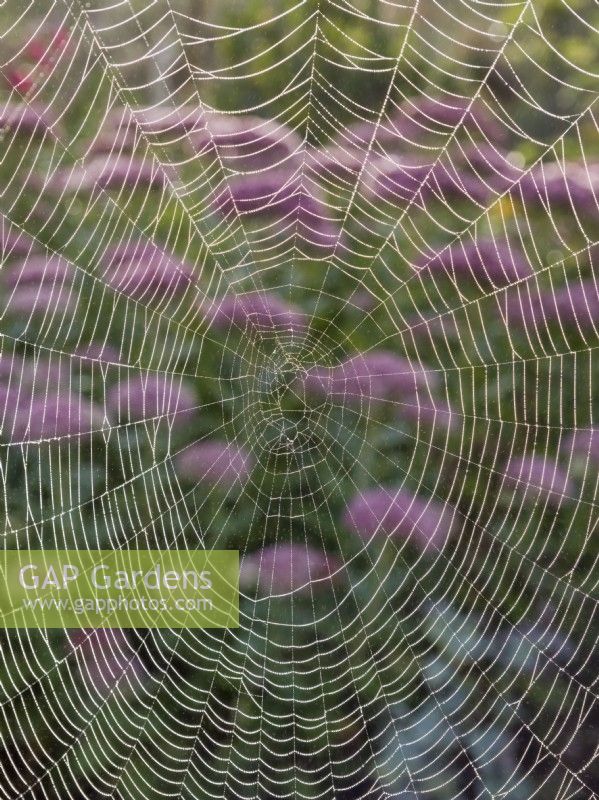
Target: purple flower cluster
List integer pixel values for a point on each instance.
(486, 260)
(570, 186)
(264, 159)
(375, 376)
(214, 463)
(445, 112)
(123, 128)
(54, 416)
(96, 351)
(274, 192)
(114, 141)
(538, 477)
(399, 513)
(38, 402)
(41, 375)
(262, 311)
(474, 172)
(171, 121)
(575, 305)
(14, 242)
(38, 300)
(242, 143)
(146, 397)
(36, 59)
(379, 377)
(408, 179)
(422, 117)
(583, 443)
(437, 415)
(388, 135)
(283, 195)
(396, 180)
(267, 150)
(40, 284)
(488, 163)
(29, 119)
(284, 568)
(143, 271)
(37, 269)
(335, 161)
(108, 172)
(247, 142)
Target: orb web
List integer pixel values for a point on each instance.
(315, 282)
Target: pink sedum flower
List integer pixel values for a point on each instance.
(575, 305)
(360, 145)
(36, 300)
(36, 270)
(397, 513)
(285, 197)
(419, 117)
(247, 142)
(335, 161)
(44, 49)
(20, 79)
(320, 235)
(11, 366)
(398, 180)
(44, 375)
(565, 186)
(116, 143)
(145, 397)
(242, 142)
(538, 477)
(498, 263)
(406, 180)
(376, 375)
(437, 415)
(38, 400)
(143, 271)
(172, 121)
(97, 351)
(16, 371)
(15, 242)
(497, 169)
(492, 161)
(109, 172)
(29, 119)
(262, 311)
(424, 115)
(35, 417)
(284, 568)
(583, 443)
(214, 463)
(275, 192)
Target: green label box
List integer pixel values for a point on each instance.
(119, 589)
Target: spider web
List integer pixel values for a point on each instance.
(315, 282)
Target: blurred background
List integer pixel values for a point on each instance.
(317, 282)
